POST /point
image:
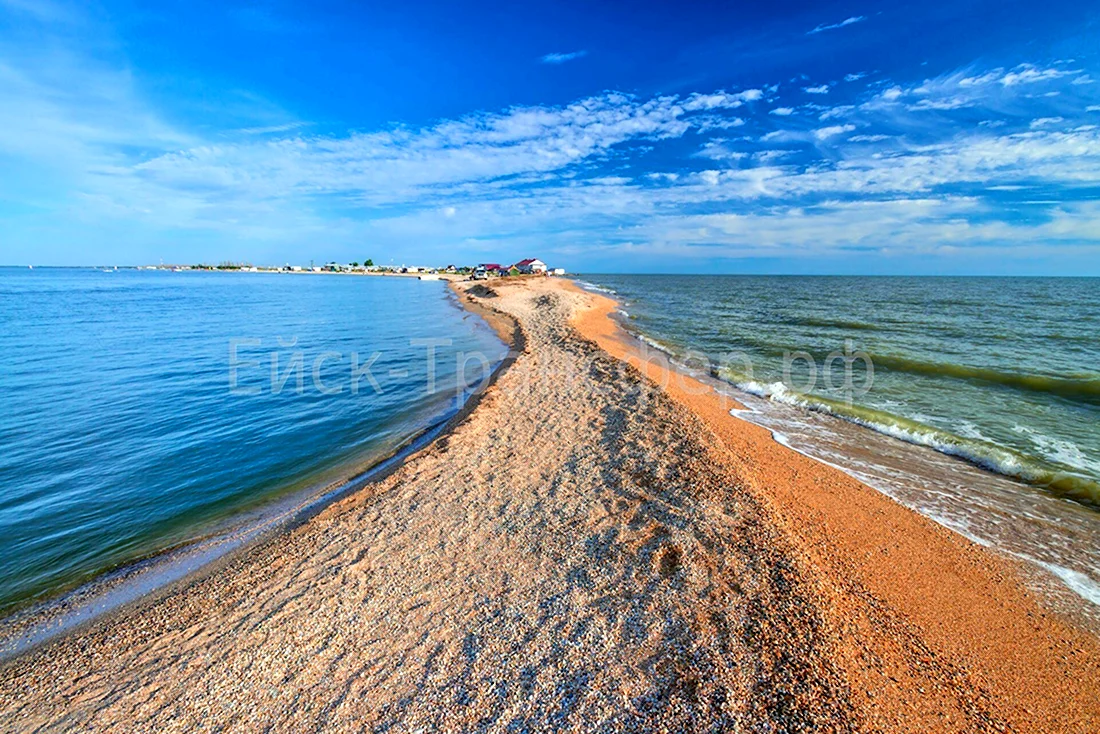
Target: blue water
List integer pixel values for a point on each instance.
(122, 430)
(1003, 372)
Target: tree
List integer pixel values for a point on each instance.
(369, 263)
(355, 263)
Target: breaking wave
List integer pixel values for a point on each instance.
(1083, 388)
(987, 455)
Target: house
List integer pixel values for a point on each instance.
(530, 266)
(491, 268)
(556, 271)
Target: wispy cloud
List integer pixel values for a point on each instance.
(269, 129)
(561, 58)
(782, 111)
(823, 133)
(721, 100)
(820, 89)
(841, 24)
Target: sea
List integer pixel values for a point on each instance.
(146, 410)
(975, 401)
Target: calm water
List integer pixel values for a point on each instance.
(1003, 373)
(122, 432)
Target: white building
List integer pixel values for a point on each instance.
(531, 266)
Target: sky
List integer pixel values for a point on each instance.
(827, 137)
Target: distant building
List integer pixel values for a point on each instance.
(556, 271)
(530, 266)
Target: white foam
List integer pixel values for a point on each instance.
(1078, 582)
(593, 287)
(1060, 451)
(989, 457)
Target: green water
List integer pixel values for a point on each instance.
(1003, 372)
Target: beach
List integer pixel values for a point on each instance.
(597, 544)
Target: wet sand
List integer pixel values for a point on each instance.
(587, 549)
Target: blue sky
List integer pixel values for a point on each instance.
(620, 137)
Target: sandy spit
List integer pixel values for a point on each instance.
(595, 547)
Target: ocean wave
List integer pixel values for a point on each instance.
(654, 343)
(1079, 388)
(1008, 462)
(593, 287)
(831, 323)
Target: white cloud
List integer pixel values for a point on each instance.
(929, 226)
(1022, 74)
(561, 58)
(719, 150)
(1028, 74)
(706, 123)
(820, 89)
(561, 175)
(855, 77)
(268, 129)
(720, 100)
(944, 103)
(1045, 122)
(838, 111)
(823, 133)
(841, 24)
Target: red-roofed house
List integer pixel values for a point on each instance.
(531, 265)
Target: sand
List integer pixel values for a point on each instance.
(587, 549)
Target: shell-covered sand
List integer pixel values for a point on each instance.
(589, 550)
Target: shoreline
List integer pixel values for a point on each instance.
(695, 569)
(913, 471)
(1029, 470)
(841, 525)
(136, 583)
